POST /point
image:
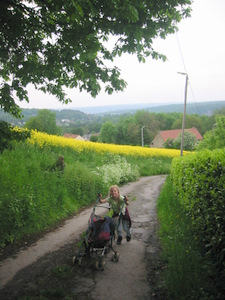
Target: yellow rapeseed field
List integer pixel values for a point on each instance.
(44, 139)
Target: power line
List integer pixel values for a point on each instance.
(182, 58)
(181, 54)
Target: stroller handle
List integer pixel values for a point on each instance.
(98, 198)
(124, 199)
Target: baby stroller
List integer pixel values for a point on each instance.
(98, 240)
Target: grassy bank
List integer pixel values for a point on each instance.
(35, 193)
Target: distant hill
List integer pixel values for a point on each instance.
(65, 114)
(87, 114)
(202, 108)
(124, 108)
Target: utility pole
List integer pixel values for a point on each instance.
(142, 135)
(184, 115)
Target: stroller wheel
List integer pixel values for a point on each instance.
(74, 260)
(77, 260)
(97, 264)
(115, 256)
(100, 264)
(103, 266)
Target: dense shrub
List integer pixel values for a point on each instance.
(215, 138)
(189, 141)
(189, 274)
(199, 180)
(93, 138)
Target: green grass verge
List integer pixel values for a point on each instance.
(188, 274)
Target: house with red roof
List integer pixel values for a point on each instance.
(73, 136)
(164, 135)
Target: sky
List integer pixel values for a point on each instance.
(198, 49)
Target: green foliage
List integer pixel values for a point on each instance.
(93, 138)
(199, 182)
(8, 135)
(151, 125)
(143, 117)
(55, 44)
(107, 133)
(169, 144)
(166, 120)
(151, 166)
(133, 136)
(189, 141)
(81, 184)
(34, 195)
(123, 129)
(127, 126)
(214, 138)
(220, 111)
(190, 121)
(33, 123)
(188, 273)
(77, 130)
(45, 122)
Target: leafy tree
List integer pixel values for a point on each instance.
(126, 124)
(33, 123)
(107, 133)
(153, 128)
(153, 123)
(119, 136)
(208, 122)
(189, 142)
(54, 44)
(94, 126)
(214, 138)
(77, 130)
(133, 134)
(190, 121)
(166, 120)
(143, 117)
(45, 122)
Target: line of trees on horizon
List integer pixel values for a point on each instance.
(122, 129)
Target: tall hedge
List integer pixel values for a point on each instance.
(35, 194)
(199, 180)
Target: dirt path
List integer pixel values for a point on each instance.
(44, 270)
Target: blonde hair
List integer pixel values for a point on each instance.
(114, 187)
